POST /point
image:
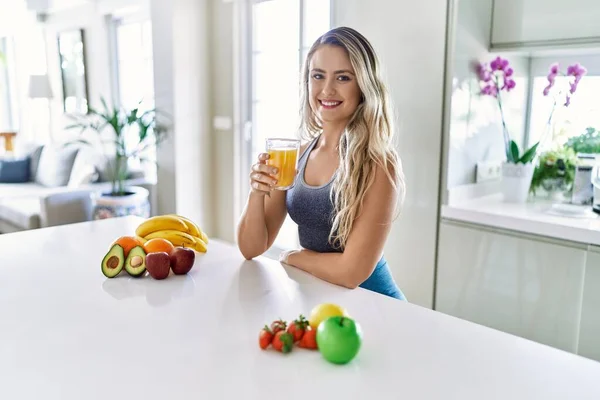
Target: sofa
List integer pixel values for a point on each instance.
(51, 185)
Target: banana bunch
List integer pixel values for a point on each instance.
(178, 230)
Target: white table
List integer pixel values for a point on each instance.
(67, 332)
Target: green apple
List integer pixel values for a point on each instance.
(339, 339)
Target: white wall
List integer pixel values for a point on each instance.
(20, 23)
(182, 89)
(222, 64)
(475, 124)
(162, 47)
(410, 40)
(97, 58)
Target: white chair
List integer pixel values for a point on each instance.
(65, 208)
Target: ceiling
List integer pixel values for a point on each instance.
(52, 5)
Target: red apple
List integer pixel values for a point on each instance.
(182, 260)
(158, 265)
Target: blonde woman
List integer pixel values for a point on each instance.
(349, 182)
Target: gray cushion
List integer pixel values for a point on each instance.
(34, 157)
(14, 171)
(85, 168)
(21, 212)
(56, 163)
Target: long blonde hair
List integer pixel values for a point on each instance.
(367, 141)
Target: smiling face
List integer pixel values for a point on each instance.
(333, 90)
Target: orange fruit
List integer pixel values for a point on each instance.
(158, 245)
(127, 243)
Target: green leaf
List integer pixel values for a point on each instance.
(529, 154)
(514, 151)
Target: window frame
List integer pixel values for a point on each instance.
(10, 81)
(113, 23)
(539, 67)
(244, 97)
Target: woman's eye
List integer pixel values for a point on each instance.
(343, 78)
(317, 76)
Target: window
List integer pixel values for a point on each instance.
(282, 33)
(584, 110)
(9, 115)
(135, 74)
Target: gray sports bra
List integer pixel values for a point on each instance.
(311, 208)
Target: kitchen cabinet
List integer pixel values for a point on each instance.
(518, 23)
(589, 336)
(524, 285)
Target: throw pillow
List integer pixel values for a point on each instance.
(84, 169)
(14, 171)
(35, 160)
(55, 165)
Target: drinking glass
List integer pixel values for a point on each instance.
(283, 154)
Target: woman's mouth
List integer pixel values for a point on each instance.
(329, 104)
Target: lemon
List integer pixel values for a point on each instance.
(323, 311)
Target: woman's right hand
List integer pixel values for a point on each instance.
(263, 176)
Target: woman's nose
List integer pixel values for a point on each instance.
(329, 88)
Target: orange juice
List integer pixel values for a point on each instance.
(285, 160)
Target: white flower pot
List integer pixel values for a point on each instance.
(516, 181)
(135, 202)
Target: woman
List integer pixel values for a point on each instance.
(349, 180)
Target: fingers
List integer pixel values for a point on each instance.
(265, 169)
(263, 178)
(263, 157)
(261, 187)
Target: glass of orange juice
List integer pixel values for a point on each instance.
(283, 154)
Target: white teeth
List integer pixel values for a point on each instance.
(330, 103)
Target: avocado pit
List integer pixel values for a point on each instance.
(136, 261)
(113, 262)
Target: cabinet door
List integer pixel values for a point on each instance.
(589, 335)
(528, 287)
(519, 21)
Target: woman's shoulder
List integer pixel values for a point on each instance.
(389, 176)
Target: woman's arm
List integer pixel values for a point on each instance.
(264, 212)
(260, 222)
(365, 243)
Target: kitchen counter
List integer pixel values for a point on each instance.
(567, 222)
(67, 332)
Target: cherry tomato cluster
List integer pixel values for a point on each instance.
(282, 336)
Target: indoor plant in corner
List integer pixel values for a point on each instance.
(518, 169)
(123, 135)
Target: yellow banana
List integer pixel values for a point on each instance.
(161, 223)
(177, 238)
(141, 239)
(193, 228)
(199, 245)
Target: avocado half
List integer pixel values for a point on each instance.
(135, 264)
(113, 261)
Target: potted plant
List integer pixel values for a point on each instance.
(586, 143)
(555, 172)
(518, 169)
(123, 135)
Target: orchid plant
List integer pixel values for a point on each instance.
(498, 76)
